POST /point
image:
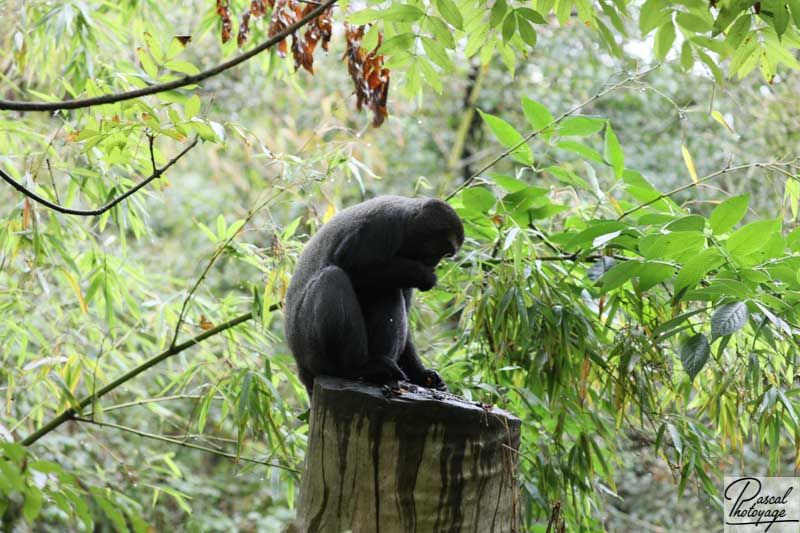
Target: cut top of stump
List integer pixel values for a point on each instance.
(425, 406)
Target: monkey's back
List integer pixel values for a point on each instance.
(363, 231)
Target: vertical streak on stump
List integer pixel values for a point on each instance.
(406, 463)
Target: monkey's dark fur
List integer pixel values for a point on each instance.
(346, 310)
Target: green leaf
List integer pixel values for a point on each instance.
(450, 13)
(402, 13)
(192, 107)
(430, 74)
(538, 115)
(751, 237)
(523, 199)
(687, 60)
(651, 16)
(567, 176)
(182, 66)
(563, 9)
(674, 245)
(694, 23)
(596, 229)
(437, 53)
(696, 267)
(526, 31)
(694, 355)
(154, 46)
(728, 319)
(613, 152)
(364, 16)
(738, 31)
(687, 223)
(176, 46)
(619, 275)
(513, 184)
(478, 199)
(653, 273)
(508, 137)
(509, 26)
(203, 130)
(476, 41)
(147, 62)
(531, 15)
(728, 213)
(110, 510)
(744, 53)
(580, 126)
(581, 149)
(497, 13)
(712, 66)
(440, 30)
(33, 504)
(665, 36)
(68, 397)
(402, 41)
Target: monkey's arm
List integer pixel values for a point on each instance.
(395, 273)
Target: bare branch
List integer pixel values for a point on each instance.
(157, 173)
(179, 442)
(14, 105)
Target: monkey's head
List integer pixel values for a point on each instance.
(434, 231)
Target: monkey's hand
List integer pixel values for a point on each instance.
(428, 278)
(396, 272)
(432, 380)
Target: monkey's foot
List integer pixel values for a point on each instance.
(432, 380)
(383, 373)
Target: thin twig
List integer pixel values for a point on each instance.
(15, 105)
(100, 210)
(698, 182)
(172, 350)
(555, 121)
(52, 180)
(157, 399)
(151, 138)
(178, 442)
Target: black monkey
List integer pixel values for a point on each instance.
(346, 310)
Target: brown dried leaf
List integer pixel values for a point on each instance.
(224, 12)
(370, 79)
(26, 215)
(285, 13)
(258, 8)
(244, 29)
(288, 12)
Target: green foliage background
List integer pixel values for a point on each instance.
(628, 286)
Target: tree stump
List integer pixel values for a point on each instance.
(408, 460)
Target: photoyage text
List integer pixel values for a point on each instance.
(761, 504)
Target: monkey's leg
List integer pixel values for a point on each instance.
(412, 365)
(334, 333)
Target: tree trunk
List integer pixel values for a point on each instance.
(412, 461)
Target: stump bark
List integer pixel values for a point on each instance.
(413, 460)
